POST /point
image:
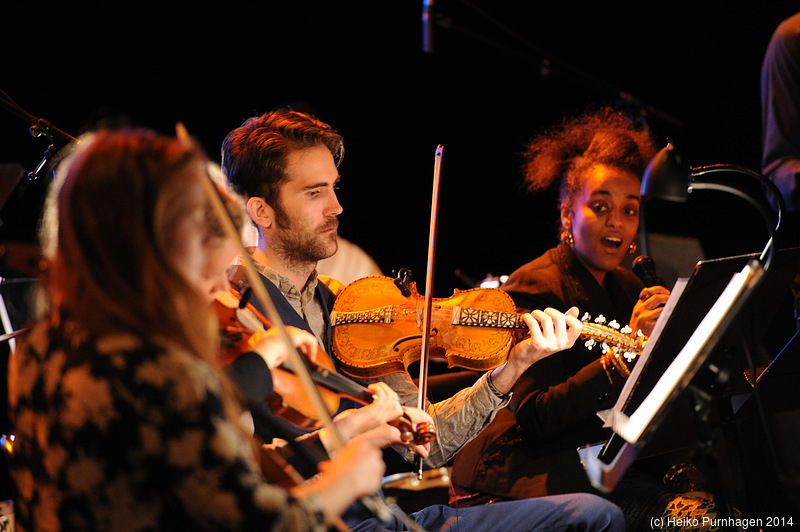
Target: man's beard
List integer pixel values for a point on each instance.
(298, 247)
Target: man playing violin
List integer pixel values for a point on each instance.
(285, 166)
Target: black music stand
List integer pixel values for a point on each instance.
(745, 315)
(768, 428)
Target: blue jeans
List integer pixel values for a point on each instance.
(572, 512)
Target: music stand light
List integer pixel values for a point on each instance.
(669, 178)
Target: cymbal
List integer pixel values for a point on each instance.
(432, 478)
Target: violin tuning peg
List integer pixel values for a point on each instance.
(586, 317)
(629, 356)
(626, 330)
(614, 324)
(600, 320)
(590, 343)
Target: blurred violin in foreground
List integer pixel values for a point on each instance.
(239, 321)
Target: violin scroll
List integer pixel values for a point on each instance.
(410, 434)
(612, 336)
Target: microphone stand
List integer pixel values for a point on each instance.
(38, 128)
(546, 64)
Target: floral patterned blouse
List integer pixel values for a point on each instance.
(121, 434)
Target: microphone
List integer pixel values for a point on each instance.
(645, 269)
(402, 280)
(427, 26)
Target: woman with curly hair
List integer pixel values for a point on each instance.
(596, 161)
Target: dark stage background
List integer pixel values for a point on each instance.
(499, 72)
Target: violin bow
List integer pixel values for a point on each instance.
(374, 503)
(426, 315)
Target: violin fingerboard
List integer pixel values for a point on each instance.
(475, 317)
(378, 315)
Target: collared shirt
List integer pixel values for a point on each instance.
(303, 301)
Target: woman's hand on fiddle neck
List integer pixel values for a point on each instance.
(550, 332)
(384, 407)
(270, 345)
(372, 421)
(386, 434)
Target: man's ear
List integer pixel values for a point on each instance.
(261, 213)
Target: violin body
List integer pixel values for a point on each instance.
(377, 330)
(288, 399)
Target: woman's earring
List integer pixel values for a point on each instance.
(567, 238)
(632, 248)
